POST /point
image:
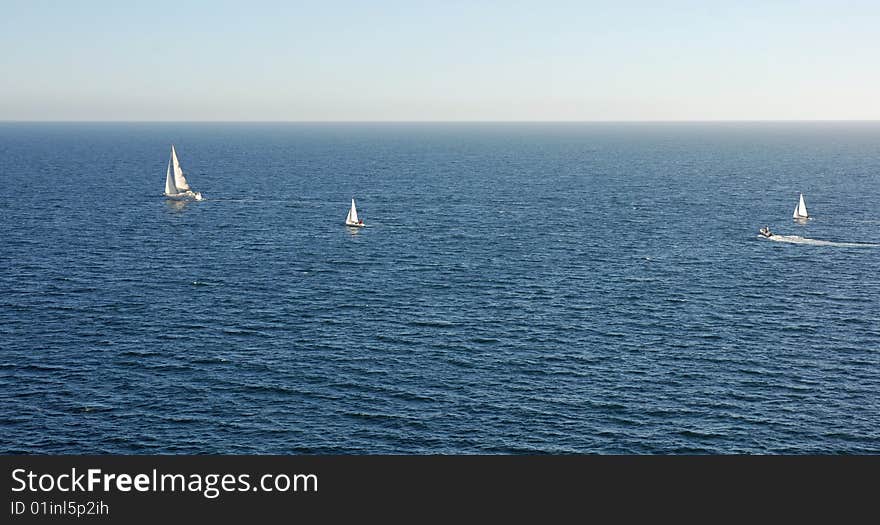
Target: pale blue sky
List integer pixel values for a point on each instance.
(451, 60)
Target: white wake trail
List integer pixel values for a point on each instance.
(797, 239)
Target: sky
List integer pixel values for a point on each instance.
(336, 60)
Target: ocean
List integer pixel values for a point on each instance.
(522, 288)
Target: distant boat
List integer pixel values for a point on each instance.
(176, 186)
(352, 218)
(800, 211)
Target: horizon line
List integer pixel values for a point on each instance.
(597, 121)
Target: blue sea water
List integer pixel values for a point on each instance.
(519, 288)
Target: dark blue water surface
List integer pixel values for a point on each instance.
(519, 288)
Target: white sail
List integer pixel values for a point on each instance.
(179, 179)
(800, 211)
(170, 188)
(352, 214)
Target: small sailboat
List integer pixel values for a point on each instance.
(176, 186)
(352, 218)
(800, 211)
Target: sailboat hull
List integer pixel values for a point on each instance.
(187, 195)
(355, 224)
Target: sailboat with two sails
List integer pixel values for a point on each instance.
(800, 211)
(176, 186)
(352, 218)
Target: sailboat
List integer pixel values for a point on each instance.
(800, 211)
(176, 186)
(352, 218)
